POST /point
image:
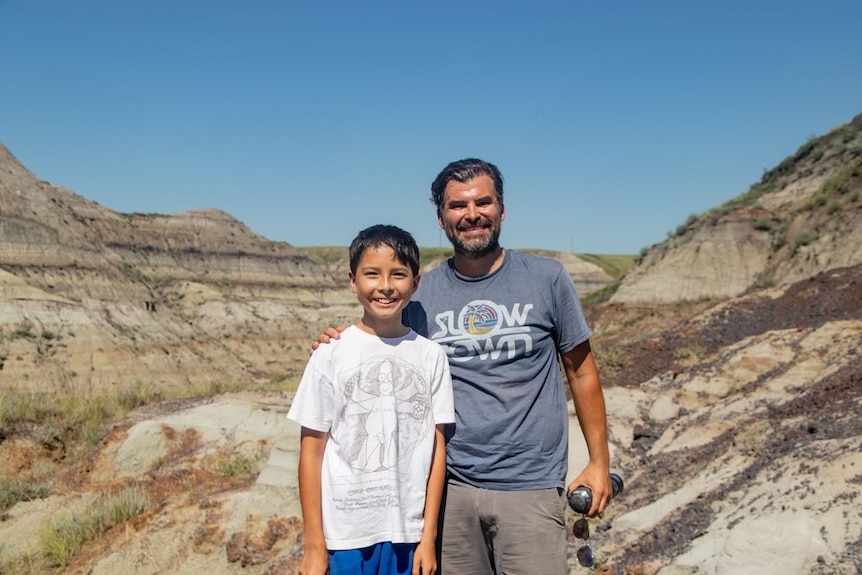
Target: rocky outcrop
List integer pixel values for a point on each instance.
(42, 225)
(92, 298)
(802, 218)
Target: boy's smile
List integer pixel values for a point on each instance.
(383, 286)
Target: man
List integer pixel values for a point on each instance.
(507, 322)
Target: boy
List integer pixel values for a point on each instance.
(372, 408)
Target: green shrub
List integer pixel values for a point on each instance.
(23, 331)
(833, 206)
(610, 357)
(689, 352)
(763, 224)
(803, 238)
(764, 282)
(242, 465)
(237, 466)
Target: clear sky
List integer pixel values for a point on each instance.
(612, 122)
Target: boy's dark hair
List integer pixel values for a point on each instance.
(401, 242)
(462, 171)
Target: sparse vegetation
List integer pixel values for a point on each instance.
(24, 330)
(600, 295)
(689, 222)
(838, 184)
(803, 238)
(748, 198)
(14, 490)
(79, 418)
(610, 357)
(689, 352)
(779, 237)
(138, 395)
(763, 224)
(615, 265)
(764, 282)
(242, 465)
(68, 531)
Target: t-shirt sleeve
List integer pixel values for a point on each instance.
(572, 328)
(442, 401)
(314, 402)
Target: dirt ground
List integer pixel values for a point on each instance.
(649, 339)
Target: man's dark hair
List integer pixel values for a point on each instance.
(462, 171)
(401, 242)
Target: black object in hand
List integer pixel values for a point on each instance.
(581, 498)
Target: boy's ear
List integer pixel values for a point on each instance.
(416, 282)
(352, 281)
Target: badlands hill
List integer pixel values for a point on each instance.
(729, 354)
(800, 219)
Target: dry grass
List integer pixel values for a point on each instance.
(62, 540)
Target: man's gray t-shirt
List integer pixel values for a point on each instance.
(502, 333)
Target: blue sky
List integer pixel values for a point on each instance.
(612, 122)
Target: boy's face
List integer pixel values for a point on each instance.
(383, 285)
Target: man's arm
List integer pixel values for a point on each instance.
(315, 561)
(583, 377)
(425, 556)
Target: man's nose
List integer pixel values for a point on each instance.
(473, 212)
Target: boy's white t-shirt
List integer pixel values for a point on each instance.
(380, 400)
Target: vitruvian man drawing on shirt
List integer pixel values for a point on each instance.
(386, 406)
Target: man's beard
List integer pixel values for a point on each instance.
(475, 250)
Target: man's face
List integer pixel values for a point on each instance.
(471, 215)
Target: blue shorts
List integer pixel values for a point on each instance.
(379, 559)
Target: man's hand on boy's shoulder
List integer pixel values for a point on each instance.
(327, 336)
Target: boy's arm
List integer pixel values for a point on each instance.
(583, 377)
(425, 556)
(315, 561)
